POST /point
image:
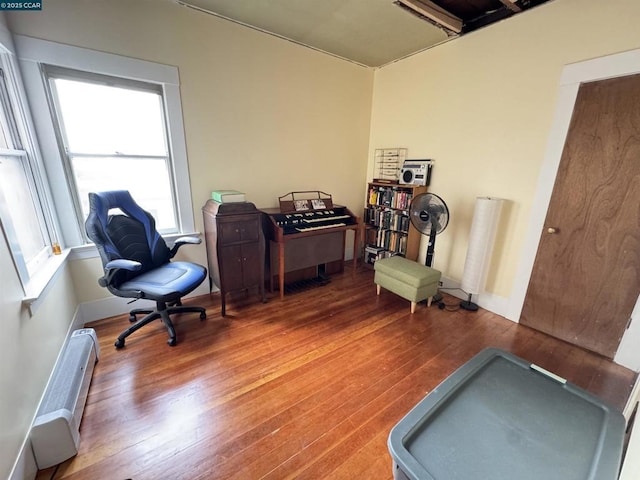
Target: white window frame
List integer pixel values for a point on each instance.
(52, 73)
(33, 53)
(29, 153)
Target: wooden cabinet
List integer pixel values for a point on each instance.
(388, 230)
(235, 247)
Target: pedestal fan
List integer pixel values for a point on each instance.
(430, 216)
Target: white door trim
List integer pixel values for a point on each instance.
(616, 65)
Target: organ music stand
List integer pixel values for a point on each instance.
(305, 201)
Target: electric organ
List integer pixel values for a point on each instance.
(308, 233)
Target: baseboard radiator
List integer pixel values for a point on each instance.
(55, 435)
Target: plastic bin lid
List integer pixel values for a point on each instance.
(500, 417)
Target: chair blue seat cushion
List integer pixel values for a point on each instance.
(173, 279)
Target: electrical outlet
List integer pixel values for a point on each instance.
(440, 283)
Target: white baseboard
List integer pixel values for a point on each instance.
(488, 301)
(25, 467)
(110, 306)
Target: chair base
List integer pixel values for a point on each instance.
(163, 312)
(146, 311)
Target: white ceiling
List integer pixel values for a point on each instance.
(368, 32)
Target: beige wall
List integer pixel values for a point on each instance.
(267, 117)
(29, 345)
(250, 124)
(261, 115)
(482, 107)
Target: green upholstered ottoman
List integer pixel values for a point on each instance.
(409, 279)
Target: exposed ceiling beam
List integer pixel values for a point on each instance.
(511, 5)
(436, 13)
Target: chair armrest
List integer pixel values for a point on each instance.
(184, 241)
(113, 266)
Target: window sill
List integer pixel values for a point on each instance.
(36, 289)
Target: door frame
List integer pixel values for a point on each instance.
(610, 66)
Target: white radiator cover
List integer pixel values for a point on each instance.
(55, 434)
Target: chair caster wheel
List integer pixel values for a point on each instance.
(203, 315)
(441, 305)
(172, 342)
(119, 343)
(132, 318)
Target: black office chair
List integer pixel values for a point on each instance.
(136, 261)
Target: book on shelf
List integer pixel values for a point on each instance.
(393, 197)
(227, 196)
(373, 253)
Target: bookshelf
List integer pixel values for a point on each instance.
(388, 230)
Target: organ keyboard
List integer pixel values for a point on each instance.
(308, 232)
(319, 227)
(292, 223)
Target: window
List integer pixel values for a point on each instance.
(21, 212)
(113, 137)
(105, 122)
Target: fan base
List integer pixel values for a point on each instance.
(468, 305)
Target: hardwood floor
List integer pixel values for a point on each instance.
(307, 387)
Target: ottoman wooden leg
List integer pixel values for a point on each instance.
(377, 289)
(413, 307)
(429, 301)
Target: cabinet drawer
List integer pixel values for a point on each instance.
(239, 231)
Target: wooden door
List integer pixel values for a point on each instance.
(586, 276)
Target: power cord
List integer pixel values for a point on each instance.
(55, 471)
(449, 307)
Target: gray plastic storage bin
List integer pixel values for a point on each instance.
(500, 417)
